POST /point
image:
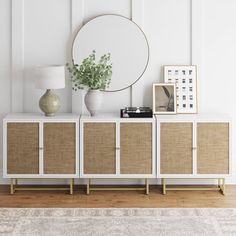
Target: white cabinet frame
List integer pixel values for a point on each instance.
(194, 120)
(118, 121)
(40, 121)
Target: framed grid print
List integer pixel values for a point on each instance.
(164, 98)
(185, 78)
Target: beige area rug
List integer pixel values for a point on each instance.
(116, 222)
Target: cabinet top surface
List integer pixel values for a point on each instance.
(192, 117)
(116, 116)
(40, 116)
(112, 116)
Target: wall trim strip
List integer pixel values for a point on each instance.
(136, 90)
(77, 21)
(17, 56)
(196, 31)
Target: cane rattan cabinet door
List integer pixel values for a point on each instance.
(176, 140)
(22, 148)
(59, 152)
(213, 148)
(99, 148)
(135, 148)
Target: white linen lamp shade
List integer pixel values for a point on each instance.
(49, 78)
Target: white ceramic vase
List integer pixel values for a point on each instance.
(93, 101)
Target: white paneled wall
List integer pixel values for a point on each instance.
(202, 32)
(218, 81)
(43, 32)
(167, 26)
(46, 36)
(5, 66)
(95, 8)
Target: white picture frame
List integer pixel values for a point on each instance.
(185, 78)
(164, 98)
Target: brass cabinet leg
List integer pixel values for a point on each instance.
(222, 186)
(88, 186)
(164, 186)
(71, 186)
(147, 186)
(12, 186)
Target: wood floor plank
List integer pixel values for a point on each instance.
(118, 199)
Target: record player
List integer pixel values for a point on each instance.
(136, 112)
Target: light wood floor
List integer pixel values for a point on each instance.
(118, 199)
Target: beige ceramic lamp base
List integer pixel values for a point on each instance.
(49, 103)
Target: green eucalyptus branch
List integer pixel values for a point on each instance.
(90, 74)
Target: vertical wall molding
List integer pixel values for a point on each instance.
(137, 90)
(197, 50)
(137, 12)
(17, 56)
(77, 20)
(196, 31)
(77, 14)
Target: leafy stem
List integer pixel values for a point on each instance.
(90, 74)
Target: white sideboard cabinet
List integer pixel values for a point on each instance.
(193, 147)
(117, 148)
(39, 147)
(106, 146)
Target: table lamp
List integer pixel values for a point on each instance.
(50, 78)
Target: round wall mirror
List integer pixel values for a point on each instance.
(120, 37)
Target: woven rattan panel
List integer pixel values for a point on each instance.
(99, 148)
(59, 148)
(22, 148)
(176, 148)
(212, 148)
(136, 148)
